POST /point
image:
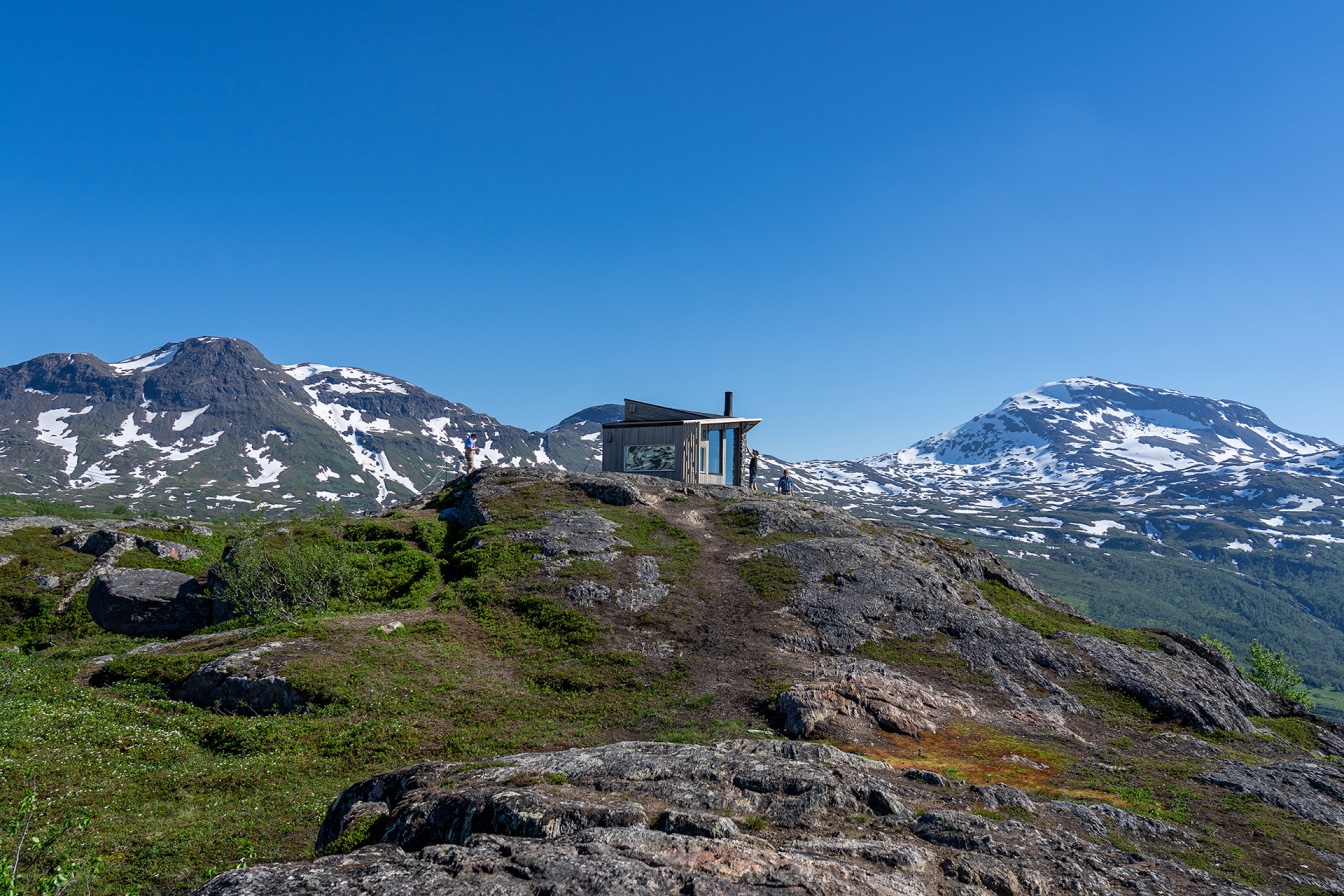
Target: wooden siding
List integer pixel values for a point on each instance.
(613, 451)
(690, 452)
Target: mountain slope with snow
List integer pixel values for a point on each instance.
(1143, 506)
(1087, 427)
(209, 424)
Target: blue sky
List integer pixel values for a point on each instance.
(870, 221)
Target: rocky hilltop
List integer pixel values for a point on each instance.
(912, 717)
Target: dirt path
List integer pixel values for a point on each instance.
(728, 635)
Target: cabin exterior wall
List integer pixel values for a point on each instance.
(617, 438)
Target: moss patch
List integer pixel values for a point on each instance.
(924, 654)
(773, 578)
(1048, 621)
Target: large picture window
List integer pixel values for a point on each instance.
(650, 458)
(715, 452)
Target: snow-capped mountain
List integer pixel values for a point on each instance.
(210, 424)
(1144, 456)
(1143, 506)
(1087, 427)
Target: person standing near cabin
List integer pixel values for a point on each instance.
(469, 451)
(752, 466)
(786, 484)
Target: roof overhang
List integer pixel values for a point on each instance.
(743, 423)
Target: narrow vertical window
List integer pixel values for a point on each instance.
(730, 457)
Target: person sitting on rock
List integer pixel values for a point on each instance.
(786, 484)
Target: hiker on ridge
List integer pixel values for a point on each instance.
(469, 451)
(752, 466)
(786, 484)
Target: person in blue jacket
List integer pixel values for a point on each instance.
(786, 484)
(469, 451)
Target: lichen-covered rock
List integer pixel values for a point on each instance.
(1197, 686)
(799, 518)
(151, 603)
(867, 689)
(1311, 790)
(246, 681)
(10, 525)
(1001, 795)
(169, 549)
(791, 784)
(614, 488)
(697, 824)
(572, 533)
(576, 823)
(614, 862)
(648, 591)
(587, 593)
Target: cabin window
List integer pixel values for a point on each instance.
(715, 452)
(730, 456)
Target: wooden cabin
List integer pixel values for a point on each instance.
(687, 446)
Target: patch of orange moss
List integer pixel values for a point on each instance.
(973, 752)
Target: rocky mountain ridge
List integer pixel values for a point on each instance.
(209, 425)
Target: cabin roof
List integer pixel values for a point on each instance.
(642, 413)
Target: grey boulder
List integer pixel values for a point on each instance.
(152, 603)
(100, 541)
(172, 550)
(246, 681)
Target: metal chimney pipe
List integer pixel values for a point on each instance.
(727, 404)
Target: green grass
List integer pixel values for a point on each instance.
(925, 654)
(1048, 621)
(650, 534)
(773, 578)
(12, 505)
(1299, 732)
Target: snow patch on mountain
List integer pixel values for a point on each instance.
(185, 420)
(148, 361)
(270, 467)
(346, 380)
(53, 430)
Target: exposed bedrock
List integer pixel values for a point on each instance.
(862, 589)
(639, 818)
(866, 690)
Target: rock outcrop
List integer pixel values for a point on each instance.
(572, 534)
(639, 818)
(1310, 790)
(246, 681)
(869, 690)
